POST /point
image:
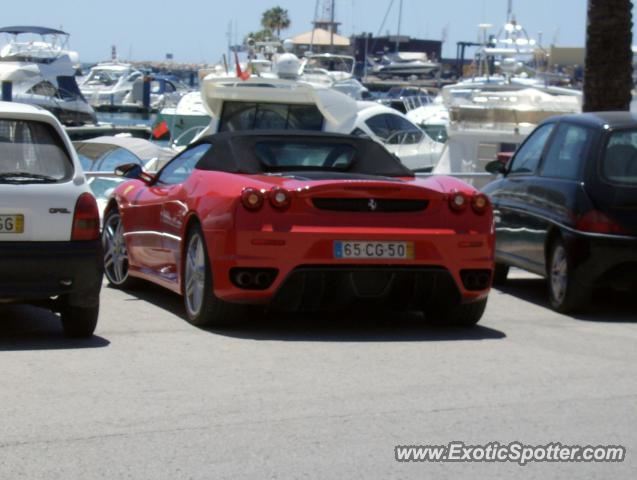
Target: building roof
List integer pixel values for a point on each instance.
(321, 37)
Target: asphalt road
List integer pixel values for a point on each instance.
(152, 397)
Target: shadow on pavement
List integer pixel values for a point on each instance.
(24, 327)
(606, 305)
(351, 327)
(156, 295)
(325, 327)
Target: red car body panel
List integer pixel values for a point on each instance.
(156, 219)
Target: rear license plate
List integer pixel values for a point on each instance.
(363, 249)
(11, 223)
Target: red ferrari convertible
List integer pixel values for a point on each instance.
(300, 221)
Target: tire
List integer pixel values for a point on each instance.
(500, 274)
(79, 322)
(565, 293)
(463, 315)
(115, 253)
(203, 308)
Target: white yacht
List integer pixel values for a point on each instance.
(338, 67)
(165, 92)
(405, 64)
(108, 83)
(292, 103)
(335, 71)
(41, 69)
(485, 122)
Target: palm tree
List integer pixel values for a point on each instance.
(608, 72)
(260, 36)
(275, 19)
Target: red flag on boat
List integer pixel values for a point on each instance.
(160, 129)
(242, 75)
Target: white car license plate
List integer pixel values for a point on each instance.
(363, 249)
(12, 223)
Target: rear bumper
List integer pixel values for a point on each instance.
(304, 261)
(604, 260)
(311, 288)
(32, 271)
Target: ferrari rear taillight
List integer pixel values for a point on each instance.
(280, 198)
(458, 201)
(252, 199)
(479, 203)
(86, 220)
(595, 221)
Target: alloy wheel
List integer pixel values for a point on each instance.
(559, 274)
(115, 253)
(195, 275)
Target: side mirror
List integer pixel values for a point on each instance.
(496, 167)
(134, 171)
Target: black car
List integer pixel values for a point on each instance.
(566, 206)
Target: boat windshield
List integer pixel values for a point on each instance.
(102, 76)
(332, 63)
(238, 116)
(36, 52)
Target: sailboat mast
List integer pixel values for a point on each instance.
(400, 17)
(332, 27)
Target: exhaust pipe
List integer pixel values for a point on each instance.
(476, 279)
(251, 278)
(262, 280)
(244, 279)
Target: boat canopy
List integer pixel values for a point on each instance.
(36, 30)
(337, 108)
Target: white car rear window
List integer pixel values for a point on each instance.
(32, 152)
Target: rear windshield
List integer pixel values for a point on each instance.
(32, 152)
(277, 156)
(619, 164)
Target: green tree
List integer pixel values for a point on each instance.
(275, 19)
(260, 36)
(608, 71)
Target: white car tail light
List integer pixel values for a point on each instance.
(86, 219)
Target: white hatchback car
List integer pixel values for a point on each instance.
(50, 252)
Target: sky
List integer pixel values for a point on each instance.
(196, 30)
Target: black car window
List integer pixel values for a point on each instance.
(528, 156)
(567, 151)
(180, 167)
(619, 164)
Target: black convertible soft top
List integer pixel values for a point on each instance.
(235, 152)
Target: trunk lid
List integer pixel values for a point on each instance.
(45, 211)
(343, 200)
